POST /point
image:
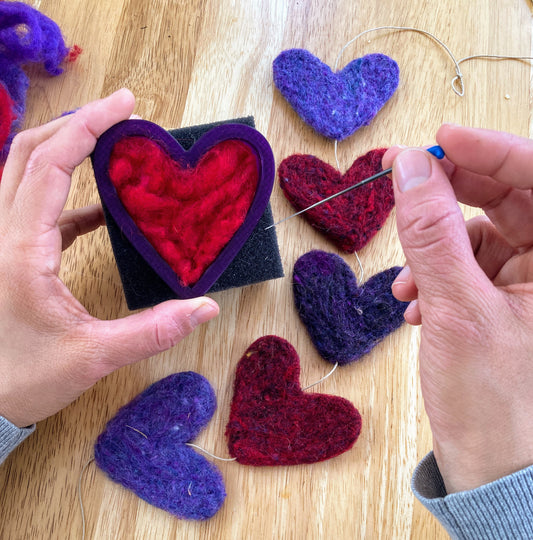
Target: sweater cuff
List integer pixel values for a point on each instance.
(11, 436)
(499, 510)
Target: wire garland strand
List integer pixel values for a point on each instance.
(80, 497)
(323, 378)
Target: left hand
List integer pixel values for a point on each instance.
(52, 349)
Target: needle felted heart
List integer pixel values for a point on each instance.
(186, 212)
(345, 321)
(273, 422)
(143, 447)
(335, 104)
(351, 220)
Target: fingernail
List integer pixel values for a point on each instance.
(206, 311)
(403, 276)
(411, 168)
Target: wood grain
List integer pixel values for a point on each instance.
(196, 61)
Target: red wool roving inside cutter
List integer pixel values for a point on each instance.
(6, 114)
(188, 214)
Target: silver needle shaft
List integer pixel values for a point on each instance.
(322, 201)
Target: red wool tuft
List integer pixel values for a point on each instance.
(350, 220)
(73, 53)
(187, 214)
(273, 422)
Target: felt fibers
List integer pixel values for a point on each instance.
(345, 320)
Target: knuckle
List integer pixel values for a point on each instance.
(23, 142)
(169, 332)
(431, 222)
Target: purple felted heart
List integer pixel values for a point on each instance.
(143, 447)
(335, 104)
(345, 321)
(186, 159)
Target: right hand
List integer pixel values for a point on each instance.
(471, 287)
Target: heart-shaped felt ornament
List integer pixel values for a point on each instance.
(335, 104)
(143, 447)
(351, 220)
(273, 422)
(188, 213)
(345, 321)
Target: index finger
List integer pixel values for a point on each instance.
(503, 157)
(493, 171)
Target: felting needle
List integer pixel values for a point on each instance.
(437, 151)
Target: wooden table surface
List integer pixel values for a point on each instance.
(197, 61)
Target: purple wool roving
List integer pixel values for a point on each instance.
(345, 321)
(26, 36)
(335, 104)
(143, 447)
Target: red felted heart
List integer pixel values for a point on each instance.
(273, 422)
(187, 214)
(350, 220)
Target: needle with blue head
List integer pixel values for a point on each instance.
(437, 151)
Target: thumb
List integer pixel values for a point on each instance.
(139, 336)
(432, 230)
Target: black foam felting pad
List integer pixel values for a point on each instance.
(258, 260)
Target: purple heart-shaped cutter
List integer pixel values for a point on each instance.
(186, 158)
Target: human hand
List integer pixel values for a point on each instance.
(471, 287)
(52, 349)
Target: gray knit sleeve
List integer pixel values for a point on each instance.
(500, 510)
(11, 436)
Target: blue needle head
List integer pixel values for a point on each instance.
(437, 151)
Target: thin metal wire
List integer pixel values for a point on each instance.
(459, 75)
(80, 498)
(323, 378)
(362, 278)
(488, 57)
(337, 155)
(209, 453)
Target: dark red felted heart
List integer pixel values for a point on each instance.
(187, 213)
(273, 422)
(350, 220)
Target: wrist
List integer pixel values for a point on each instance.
(466, 467)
